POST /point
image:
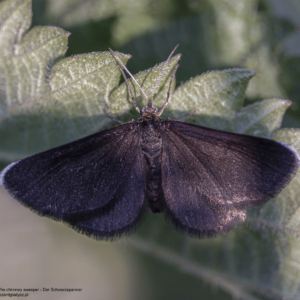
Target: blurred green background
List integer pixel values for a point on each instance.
(260, 35)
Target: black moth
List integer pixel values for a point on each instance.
(202, 179)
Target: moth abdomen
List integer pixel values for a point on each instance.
(151, 145)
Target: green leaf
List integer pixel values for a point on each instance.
(216, 96)
(15, 19)
(261, 118)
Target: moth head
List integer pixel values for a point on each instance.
(149, 109)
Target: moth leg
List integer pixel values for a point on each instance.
(186, 115)
(111, 117)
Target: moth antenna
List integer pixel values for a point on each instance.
(130, 92)
(168, 95)
(134, 80)
(159, 78)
